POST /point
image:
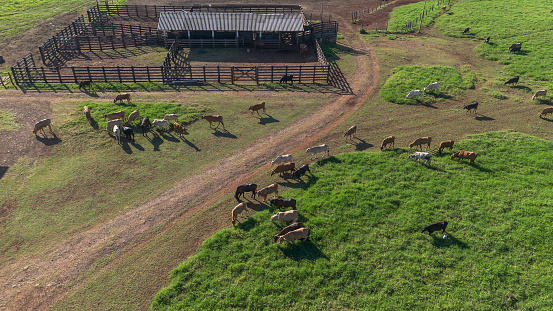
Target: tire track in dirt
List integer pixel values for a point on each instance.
(67, 261)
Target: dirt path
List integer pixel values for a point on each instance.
(37, 283)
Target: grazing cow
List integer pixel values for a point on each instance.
(351, 132)
(318, 149)
(284, 167)
(304, 50)
(292, 227)
(214, 118)
(515, 47)
(257, 107)
(441, 225)
(282, 159)
(539, 93)
(414, 93)
(272, 188)
(461, 154)
(292, 236)
(241, 207)
(466, 30)
(134, 115)
(280, 203)
(445, 144)
(129, 133)
(487, 39)
(258, 44)
(421, 156)
(112, 123)
(179, 128)
(145, 125)
(286, 78)
(546, 111)
(285, 216)
(390, 140)
(161, 123)
(432, 86)
(301, 171)
(86, 112)
(122, 96)
(115, 115)
(512, 80)
(85, 85)
(470, 107)
(117, 133)
(444, 7)
(421, 141)
(171, 117)
(40, 125)
(240, 190)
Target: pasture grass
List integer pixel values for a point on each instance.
(365, 251)
(406, 78)
(7, 121)
(89, 178)
(411, 13)
(506, 22)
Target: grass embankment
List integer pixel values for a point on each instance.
(365, 250)
(89, 178)
(407, 78)
(507, 22)
(411, 13)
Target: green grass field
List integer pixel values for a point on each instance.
(365, 251)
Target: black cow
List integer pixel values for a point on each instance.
(283, 203)
(512, 80)
(286, 78)
(290, 228)
(85, 85)
(472, 106)
(145, 125)
(240, 190)
(301, 171)
(441, 225)
(515, 47)
(487, 39)
(466, 30)
(128, 132)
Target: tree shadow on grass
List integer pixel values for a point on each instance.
(440, 242)
(301, 250)
(267, 120)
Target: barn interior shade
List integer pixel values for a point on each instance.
(202, 21)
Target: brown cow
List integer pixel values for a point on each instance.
(122, 96)
(214, 118)
(257, 107)
(461, 154)
(546, 111)
(284, 167)
(115, 115)
(292, 227)
(539, 93)
(86, 113)
(445, 144)
(351, 132)
(179, 128)
(40, 125)
(421, 141)
(390, 140)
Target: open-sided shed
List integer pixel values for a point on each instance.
(275, 30)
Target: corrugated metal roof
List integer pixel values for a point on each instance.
(230, 21)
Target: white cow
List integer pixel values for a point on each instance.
(421, 156)
(432, 86)
(171, 117)
(539, 93)
(414, 93)
(282, 159)
(285, 216)
(160, 123)
(318, 149)
(117, 133)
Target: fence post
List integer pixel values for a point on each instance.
(218, 75)
(119, 74)
(14, 77)
(272, 74)
(133, 75)
(148, 73)
(59, 74)
(299, 79)
(44, 75)
(257, 75)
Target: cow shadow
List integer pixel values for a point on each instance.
(156, 141)
(225, 134)
(94, 125)
(126, 147)
(247, 225)
(542, 101)
(481, 117)
(481, 169)
(299, 183)
(546, 119)
(362, 145)
(269, 119)
(521, 87)
(169, 137)
(258, 207)
(3, 170)
(330, 159)
(306, 250)
(191, 144)
(91, 93)
(451, 240)
(49, 141)
(439, 95)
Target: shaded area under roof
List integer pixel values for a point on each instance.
(207, 21)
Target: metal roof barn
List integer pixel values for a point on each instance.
(207, 21)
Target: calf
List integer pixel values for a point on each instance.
(40, 125)
(351, 132)
(445, 144)
(86, 113)
(466, 30)
(414, 93)
(134, 115)
(117, 133)
(432, 86)
(301, 171)
(441, 225)
(122, 96)
(179, 128)
(390, 140)
(292, 236)
(470, 107)
(318, 149)
(128, 132)
(512, 80)
(85, 85)
(287, 78)
(257, 107)
(145, 125)
(280, 203)
(421, 141)
(461, 154)
(292, 227)
(546, 111)
(539, 93)
(272, 188)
